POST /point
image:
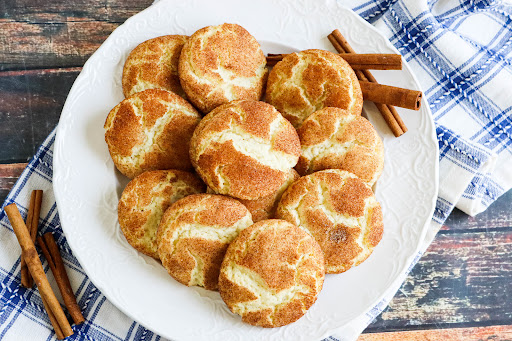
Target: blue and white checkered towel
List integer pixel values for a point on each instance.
(461, 52)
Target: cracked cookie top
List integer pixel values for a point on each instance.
(153, 64)
(144, 201)
(307, 81)
(340, 211)
(272, 273)
(194, 234)
(244, 149)
(151, 130)
(336, 138)
(219, 64)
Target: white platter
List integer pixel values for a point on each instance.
(87, 187)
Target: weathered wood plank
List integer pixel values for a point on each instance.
(64, 10)
(498, 215)
(462, 278)
(494, 333)
(58, 33)
(9, 173)
(50, 45)
(30, 107)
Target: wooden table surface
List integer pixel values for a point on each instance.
(460, 289)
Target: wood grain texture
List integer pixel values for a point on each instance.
(462, 279)
(60, 33)
(9, 173)
(62, 10)
(29, 45)
(30, 106)
(494, 333)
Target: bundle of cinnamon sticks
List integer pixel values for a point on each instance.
(32, 268)
(385, 97)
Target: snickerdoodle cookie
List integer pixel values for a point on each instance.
(340, 211)
(244, 149)
(307, 81)
(272, 273)
(151, 130)
(336, 138)
(219, 64)
(144, 201)
(153, 64)
(194, 234)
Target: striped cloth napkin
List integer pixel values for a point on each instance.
(461, 52)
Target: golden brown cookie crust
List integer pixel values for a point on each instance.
(340, 211)
(272, 273)
(336, 138)
(151, 130)
(222, 63)
(194, 234)
(144, 201)
(153, 64)
(244, 149)
(265, 208)
(307, 81)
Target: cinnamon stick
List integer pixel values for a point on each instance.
(36, 268)
(391, 95)
(37, 213)
(337, 46)
(34, 210)
(26, 279)
(53, 321)
(32, 229)
(388, 112)
(373, 61)
(273, 59)
(52, 254)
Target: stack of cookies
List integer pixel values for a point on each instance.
(256, 199)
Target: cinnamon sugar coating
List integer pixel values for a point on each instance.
(219, 64)
(244, 149)
(340, 211)
(265, 208)
(194, 234)
(144, 201)
(307, 81)
(335, 138)
(153, 64)
(272, 273)
(151, 130)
